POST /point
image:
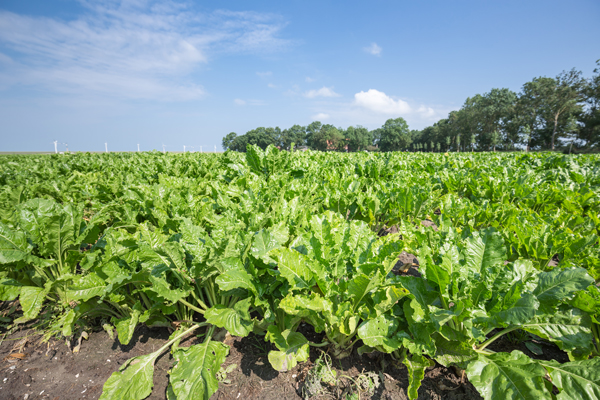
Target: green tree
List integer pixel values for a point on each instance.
(296, 134)
(311, 129)
(439, 146)
(262, 137)
(327, 138)
(395, 135)
(357, 138)
(561, 98)
(226, 142)
(458, 143)
(589, 131)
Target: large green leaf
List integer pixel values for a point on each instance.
(380, 332)
(293, 348)
(484, 249)
(508, 376)
(32, 299)
(236, 320)
(194, 375)
(13, 245)
(569, 328)
(576, 379)
(133, 380)
(293, 267)
(85, 287)
(560, 285)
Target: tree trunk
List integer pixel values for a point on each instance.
(554, 131)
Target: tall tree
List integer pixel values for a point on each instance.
(589, 131)
(226, 142)
(395, 135)
(296, 134)
(357, 138)
(327, 138)
(561, 99)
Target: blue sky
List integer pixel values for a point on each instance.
(188, 72)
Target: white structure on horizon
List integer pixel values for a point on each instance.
(164, 152)
(138, 147)
(56, 146)
(106, 147)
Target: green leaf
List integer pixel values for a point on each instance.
(133, 380)
(9, 289)
(361, 285)
(126, 326)
(570, 329)
(560, 285)
(87, 286)
(32, 299)
(508, 376)
(521, 312)
(293, 267)
(293, 348)
(379, 332)
(235, 277)
(194, 375)
(416, 365)
(484, 249)
(13, 245)
(263, 243)
(236, 320)
(576, 379)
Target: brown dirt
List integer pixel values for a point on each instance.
(52, 371)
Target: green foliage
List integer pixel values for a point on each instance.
(269, 240)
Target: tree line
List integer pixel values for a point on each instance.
(547, 114)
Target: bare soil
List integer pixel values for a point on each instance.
(33, 370)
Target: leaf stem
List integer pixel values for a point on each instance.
(496, 336)
(185, 303)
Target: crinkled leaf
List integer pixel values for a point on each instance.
(416, 365)
(293, 348)
(570, 329)
(32, 299)
(380, 332)
(194, 375)
(13, 245)
(293, 267)
(86, 286)
(236, 320)
(508, 376)
(576, 379)
(560, 285)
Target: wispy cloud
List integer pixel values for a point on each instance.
(138, 49)
(265, 74)
(308, 79)
(323, 92)
(320, 117)
(249, 102)
(272, 86)
(373, 49)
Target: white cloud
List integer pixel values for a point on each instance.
(308, 79)
(380, 102)
(320, 117)
(272, 86)
(264, 74)
(323, 92)
(141, 49)
(373, 49)
(249, 102)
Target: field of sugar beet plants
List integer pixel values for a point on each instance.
(252, 271)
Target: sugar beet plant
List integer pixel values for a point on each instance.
(264, 241)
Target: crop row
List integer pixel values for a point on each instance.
(262, 241)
